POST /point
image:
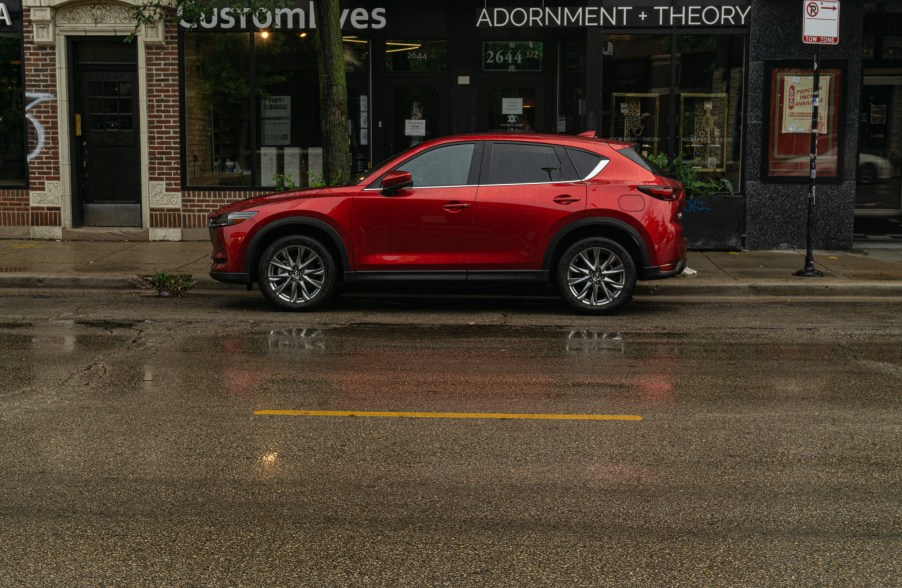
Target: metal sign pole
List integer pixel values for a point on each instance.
(808, 271)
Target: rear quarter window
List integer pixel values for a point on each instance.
(637, 158)
(584, 161)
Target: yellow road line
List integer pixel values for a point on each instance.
(452, 415)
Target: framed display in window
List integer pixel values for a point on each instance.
(703, 130)
(634, 118)
(789, 134)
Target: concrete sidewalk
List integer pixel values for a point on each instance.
(115, 265)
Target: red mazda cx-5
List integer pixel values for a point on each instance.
(586, 215)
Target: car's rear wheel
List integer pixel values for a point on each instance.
(297, 273)
(596, 276)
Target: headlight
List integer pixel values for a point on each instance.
(232, 218)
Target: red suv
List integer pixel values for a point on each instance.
(587, 215)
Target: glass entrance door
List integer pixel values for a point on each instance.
(417, 110)
(513, 106)
(879, 178)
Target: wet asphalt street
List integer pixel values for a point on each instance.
(735, 444)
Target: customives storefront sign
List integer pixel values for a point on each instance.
(10, 15)
(698, 14)
(294, 18)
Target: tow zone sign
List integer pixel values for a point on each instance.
(821, 25)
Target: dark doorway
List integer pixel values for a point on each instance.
(105, 134)
(513, 103)
(416, 110)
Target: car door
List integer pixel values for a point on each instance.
(527, 191)
(426, 226)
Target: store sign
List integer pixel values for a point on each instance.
(10, 15)
(659, 14)
(293, 19)
(512, 56)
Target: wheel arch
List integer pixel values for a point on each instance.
(308, 227)
(613, 229)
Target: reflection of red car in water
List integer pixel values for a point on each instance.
(587, 215)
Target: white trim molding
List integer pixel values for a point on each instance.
(50, 197)
(160, 198)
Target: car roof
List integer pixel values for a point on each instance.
(583, 140)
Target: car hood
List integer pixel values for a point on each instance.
(255, 201)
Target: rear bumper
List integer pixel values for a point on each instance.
(665, 271)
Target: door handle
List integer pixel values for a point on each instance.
(455, 206)
(565, 199)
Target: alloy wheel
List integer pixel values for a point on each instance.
(596, 276)
(296, 274)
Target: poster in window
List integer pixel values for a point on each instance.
(634, 118)
(798, 104)
(789, 139)
(703, 130)
(878, 114)
(276, 120)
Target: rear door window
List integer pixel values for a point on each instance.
(527, 163)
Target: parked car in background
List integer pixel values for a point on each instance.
(587, 216)
(873, 168)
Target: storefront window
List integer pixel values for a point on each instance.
(416, 56)
(710, 90)
(217, 103)
(512, 109)
(571, 100)
(789, 137)
(879, 170)
(12, 112)
(637, 89)
(253, 113)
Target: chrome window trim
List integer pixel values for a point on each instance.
(425, 187)
(598, 168)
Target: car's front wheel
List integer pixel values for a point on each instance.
(297, 273)
(596, 276)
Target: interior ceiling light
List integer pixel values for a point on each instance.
(399, 47)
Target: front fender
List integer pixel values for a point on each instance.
(299, 221)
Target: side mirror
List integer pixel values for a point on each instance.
(396, 180)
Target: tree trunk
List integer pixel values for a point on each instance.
(333, 93)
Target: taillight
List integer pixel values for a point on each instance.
(660, 192)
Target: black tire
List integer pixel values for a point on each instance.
(596, 276)
(297, 273)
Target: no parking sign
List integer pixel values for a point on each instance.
(821, 25)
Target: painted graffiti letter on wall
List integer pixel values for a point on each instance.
(36, 98)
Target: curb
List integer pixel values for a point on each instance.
(882, 289)
(870, 289)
